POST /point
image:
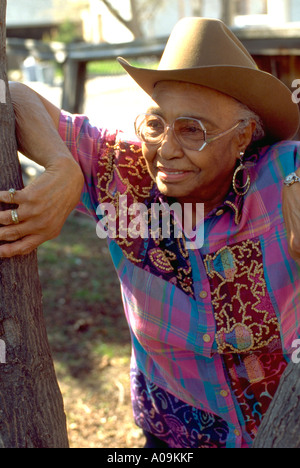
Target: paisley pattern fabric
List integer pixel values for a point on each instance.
(248, 332)
(244, 314)
(254, 380)
(172, 420)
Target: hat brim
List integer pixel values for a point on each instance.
(260, 91)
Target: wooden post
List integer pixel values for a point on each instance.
(74, 86)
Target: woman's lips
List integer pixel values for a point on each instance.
(171, 175)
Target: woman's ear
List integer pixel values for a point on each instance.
(245, 136)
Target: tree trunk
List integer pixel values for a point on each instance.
(31, 407)
(134, 24)
(280, 427)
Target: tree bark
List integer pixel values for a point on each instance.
(132, 24)
(31, 406)
(139, 11)
(280, 427)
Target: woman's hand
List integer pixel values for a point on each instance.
(291, 214)
(43, 207)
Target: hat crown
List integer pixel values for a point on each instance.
(203, 42)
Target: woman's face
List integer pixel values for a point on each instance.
(187, 175)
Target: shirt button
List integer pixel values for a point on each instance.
(203, 294)
(219, 212)
(237, 432)
(206, 338)
(224, 393)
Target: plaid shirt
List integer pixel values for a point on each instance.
(212, 328)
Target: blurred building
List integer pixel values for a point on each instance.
(266, 12)
(36, 18)
(98, 24)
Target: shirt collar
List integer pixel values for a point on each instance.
(232, 203)
(235, 202)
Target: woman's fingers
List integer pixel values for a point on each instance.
(13, 233)
(12, 198)
(20, 247)
(9, 217)
(29, 232)
(40, 210)
(27, 220)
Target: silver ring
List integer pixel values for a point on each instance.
(12, 193)
(14, 217)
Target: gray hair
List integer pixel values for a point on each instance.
(247, 115)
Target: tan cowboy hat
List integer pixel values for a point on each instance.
(204, 51)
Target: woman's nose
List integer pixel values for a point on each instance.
(170, 148)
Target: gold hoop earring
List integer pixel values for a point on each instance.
(239, 189)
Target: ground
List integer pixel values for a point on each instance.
(89, 337)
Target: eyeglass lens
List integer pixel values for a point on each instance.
(189, 133)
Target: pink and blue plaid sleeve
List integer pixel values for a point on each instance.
(86, 143)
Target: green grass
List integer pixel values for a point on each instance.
(112, 67)
(89, 337)
(81, 294)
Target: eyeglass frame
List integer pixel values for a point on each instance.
(171, 127)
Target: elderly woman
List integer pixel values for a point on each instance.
(212, 324)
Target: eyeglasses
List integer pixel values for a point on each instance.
(190, 133)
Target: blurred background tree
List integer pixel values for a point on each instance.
(67, 32)
(141, 10)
